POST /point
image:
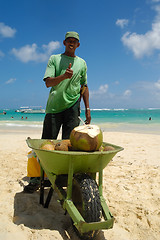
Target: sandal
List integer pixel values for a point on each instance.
(31, 187)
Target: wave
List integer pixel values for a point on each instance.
(123, 109)
(108, 109)
(153, 108)
(21, 125)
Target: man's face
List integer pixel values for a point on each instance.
(71, 44)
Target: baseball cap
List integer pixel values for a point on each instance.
(72, 35)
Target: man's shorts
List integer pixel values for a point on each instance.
(68, 119)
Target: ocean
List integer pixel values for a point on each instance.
(126, 120)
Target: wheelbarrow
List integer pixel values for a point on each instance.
(73, 175)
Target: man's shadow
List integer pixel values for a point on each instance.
(29, 212)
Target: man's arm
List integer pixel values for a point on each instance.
(53, 81)
(86, 103)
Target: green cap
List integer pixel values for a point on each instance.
(72, 35)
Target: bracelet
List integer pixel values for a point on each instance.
(87, 108)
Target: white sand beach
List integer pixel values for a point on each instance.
(131, 189)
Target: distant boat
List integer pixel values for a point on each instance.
(32, 109)
(4, 113)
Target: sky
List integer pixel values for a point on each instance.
(119, 40)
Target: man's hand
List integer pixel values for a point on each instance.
(88, 116)
(68, 72)
(51, 82)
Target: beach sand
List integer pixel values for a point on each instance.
(131, 189)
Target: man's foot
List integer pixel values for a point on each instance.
(47, 183)
(32, 187)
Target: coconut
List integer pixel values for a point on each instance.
(106, 148)
(47, 145)
(63, 145)
(86, 138)
(68, 142)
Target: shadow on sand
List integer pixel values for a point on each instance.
(30, 213)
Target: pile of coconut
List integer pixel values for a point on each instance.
(87, 138)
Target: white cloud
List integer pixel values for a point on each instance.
(149, 90)
(155, 1)
(6, 31)
(32, 53)
(11, 80)
(51, 46)
(140, 94)
(102, 89)
(127, 93)
(122, 22)
(157, 84)
(144, 44)
(117, 82)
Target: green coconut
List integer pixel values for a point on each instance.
(86, 138)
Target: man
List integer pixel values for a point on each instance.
(66, 74)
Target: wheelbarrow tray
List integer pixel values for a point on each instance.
(57, 162)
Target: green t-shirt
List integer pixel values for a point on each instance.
(67, 92)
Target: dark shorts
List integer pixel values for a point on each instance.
(68, 119)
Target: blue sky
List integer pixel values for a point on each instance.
(120, 41)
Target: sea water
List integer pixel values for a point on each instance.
(127, 120)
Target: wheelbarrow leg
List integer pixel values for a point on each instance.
(48, 198)
(42, 188)
(42, 185)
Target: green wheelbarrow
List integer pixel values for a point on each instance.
(73, 175)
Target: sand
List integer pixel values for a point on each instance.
(131, 189)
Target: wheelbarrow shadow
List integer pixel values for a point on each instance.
(29, 212)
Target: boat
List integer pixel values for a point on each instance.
(32, 109)
(3, 113)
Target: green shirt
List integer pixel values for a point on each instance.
(67, 92)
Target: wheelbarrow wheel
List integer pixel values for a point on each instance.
(85, 196)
